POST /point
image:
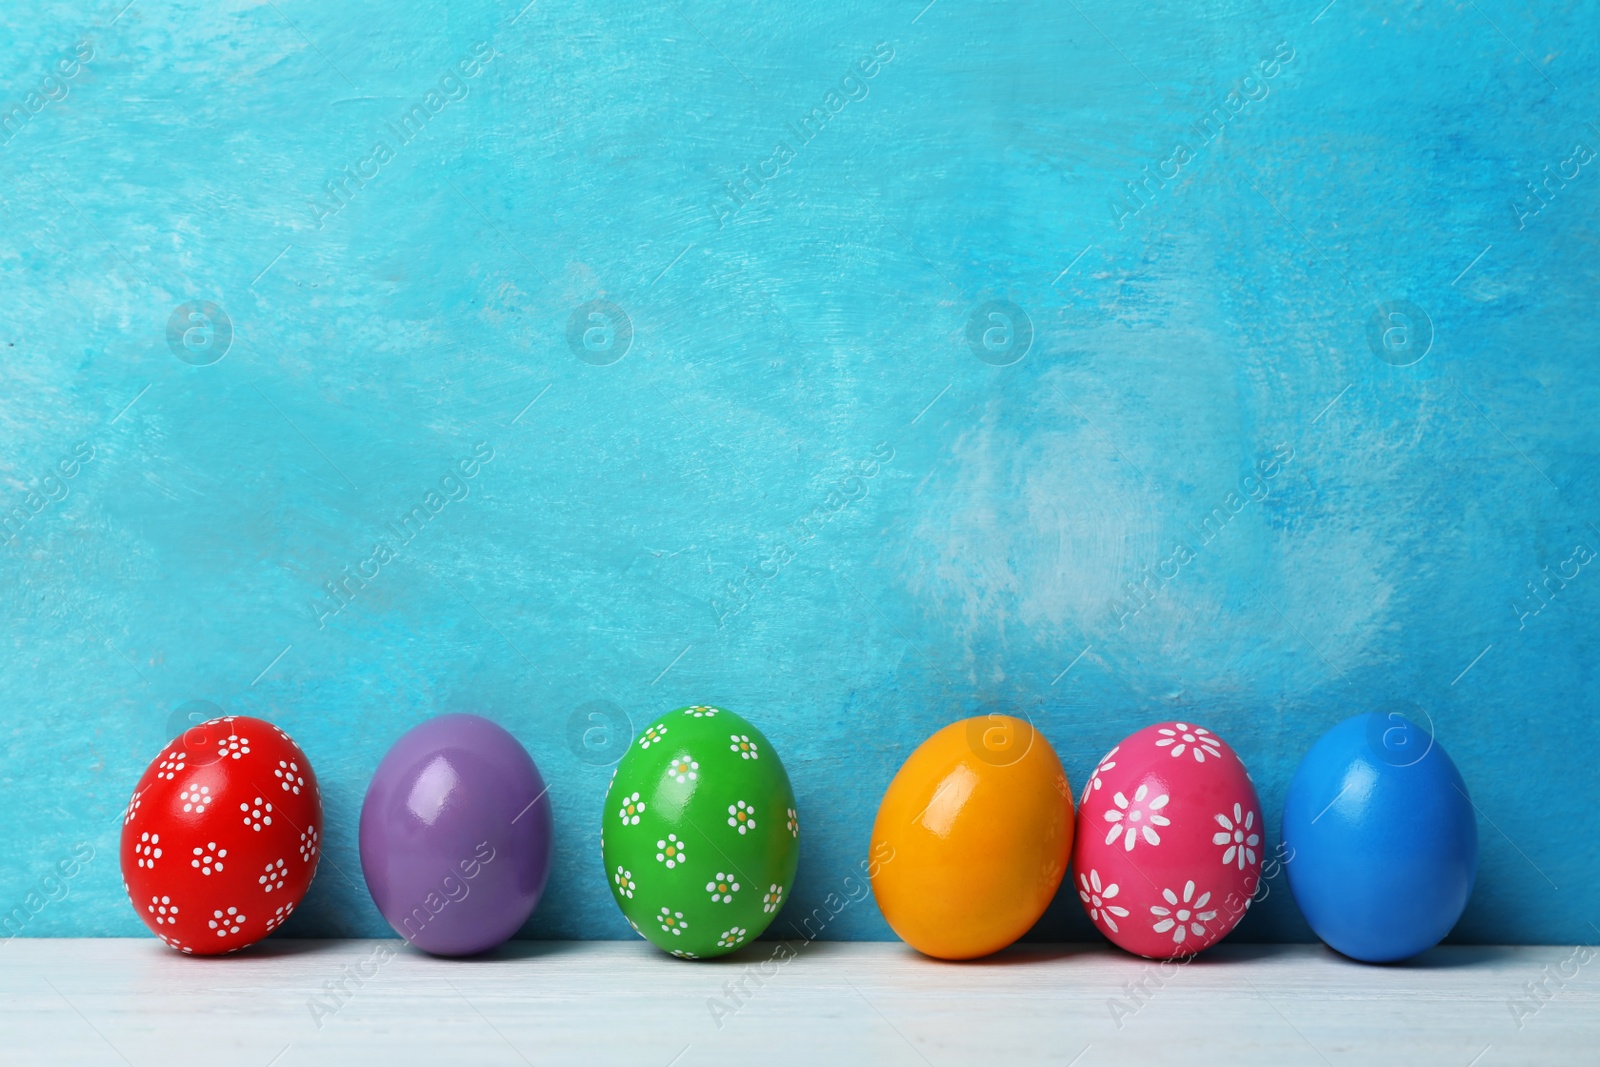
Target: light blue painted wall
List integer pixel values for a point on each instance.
(775, 349)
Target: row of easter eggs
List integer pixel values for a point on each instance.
(700, 837)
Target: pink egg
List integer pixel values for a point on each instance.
(1168, 845)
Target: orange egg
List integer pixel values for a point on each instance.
(972, 838)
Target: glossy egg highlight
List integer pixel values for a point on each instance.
(456, 833)
(699, 837)
(972, 838)
(1169, 844)
(222, 836)
(1381, 839)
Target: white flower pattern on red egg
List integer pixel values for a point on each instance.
(258, 815)
(1135, 820)
(148, 849)
(1196, 739)
(164, 910)
(276, 919)
(1238, 834)
(171, 764)
(208, 859)
(1094, 895)
(1184, 916)
(233, 746)
(195, 797)
(272, 877)
(226, 922)
(288, 773)
(308, 844)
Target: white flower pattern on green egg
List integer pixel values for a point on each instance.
(722, 888)
(671, 851)
(721, 824)
(632, 810)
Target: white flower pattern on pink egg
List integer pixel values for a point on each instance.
(1238, 835)
(1196, 739)
(1183, 830)
(1094, 782)
(1094, 895)
(1136, 820)
(1184, 916)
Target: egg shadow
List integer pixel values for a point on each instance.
(527, 950)
(285, 948)
(1231, 953)
(1441, 958)
(505, 952)
(1018, 954)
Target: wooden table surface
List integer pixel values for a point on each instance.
(134, 1002)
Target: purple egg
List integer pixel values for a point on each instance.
(455, 835)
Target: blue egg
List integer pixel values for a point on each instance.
(1381, 842)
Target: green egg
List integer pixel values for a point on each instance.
(700, 838)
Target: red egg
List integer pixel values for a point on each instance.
(1168, 846)
(221, 838)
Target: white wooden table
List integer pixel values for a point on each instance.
(134, 1002)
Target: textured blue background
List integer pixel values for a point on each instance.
(636, 537)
